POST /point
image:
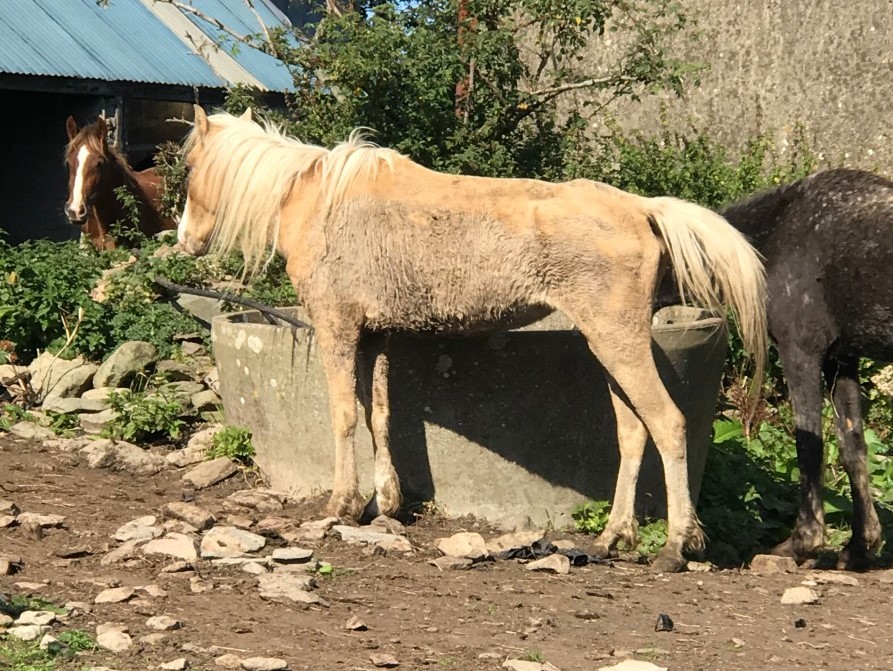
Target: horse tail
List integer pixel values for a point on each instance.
(717, 268)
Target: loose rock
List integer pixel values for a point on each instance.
(835, 578)
(225, 541)
(317, 529)
(770, 565)
(264, 664)
(513, 541)
(555, 563)
(113, 637)
(114, 595)
(125, 363)
(38, 617)
(52, 376)
(26, 632)
(262, 500)
(94, 423)
(163, 623)
(466, 544)
(40, 520)
(447, 563)
(288, 587)
(190, 513)
(211, 472)
(228, 661)
(175, 664)
(152, 639)
(383, 661)
(524, 665)
(175, 545)
(633, 665)
(67, 405)
(126, 551)
(292, 555)
(140, 529)
(31, 431)
(367, 535)
(799, 595)
(355, 624)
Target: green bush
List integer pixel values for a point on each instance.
(144, 415)
(233, 442)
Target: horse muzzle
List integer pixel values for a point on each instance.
(76, 217)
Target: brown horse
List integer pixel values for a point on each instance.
(375, 243)
(95, 171)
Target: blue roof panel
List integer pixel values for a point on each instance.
(124, 41)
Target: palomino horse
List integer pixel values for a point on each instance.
(375, 243)
(95, 171)
(829, 254)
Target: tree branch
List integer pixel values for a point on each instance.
(553, 91)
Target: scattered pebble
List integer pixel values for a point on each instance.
(163, 623)
(264, 664)
(799, 596)
(178, 664)
(114, 595)
(355, 624)
(228, 661)
(113, 637)
(466, 544)
(554, 563)
(771, 565)
(383, 661)
(26, 632)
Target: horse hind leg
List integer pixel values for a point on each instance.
(374, 376)
(631, 438)
(803, 372)
(842, 376)
(621, 340)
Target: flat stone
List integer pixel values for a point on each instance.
(5, 620)
(191, 514)
(185, 457)
(43, 521)
(212, 380)
(94, 423)
(383, 661)
(291, 587)
(77, 607)
(199, 586)
(355, 624)
(9, 371)
(228, 661)
(180, 527)
(388, 524)
(179, 546)
(277, 526)
(447, 563)
(254, 568)
(137, 461)
(633, 665)
(6, 521)
(126, 551)
(226, 541)
(466, 544)
(26, 632)
(366, 535)
(175, 664)
(154, 591)
(240, 521)
(125, 363)
(38, 617)
(177, 567)
(183, 391)
(31, 431)
(114, 595)
(139, 529)
(525, 665)
(152, 639)
(76, 404)
(292, 555)
(772, 565)
(799, 595)
(264, 664)
(885, 577)
(113, 637)
(6, 567)
(555, 563)
(211, 472)
(513, 541)
(834, 578)
(262, 500)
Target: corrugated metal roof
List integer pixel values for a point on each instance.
(128, 41)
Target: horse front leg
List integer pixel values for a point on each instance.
(375, 369)
(338, 349)
(843, 379)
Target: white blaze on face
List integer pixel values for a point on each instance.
(77, 191)
(183, 225)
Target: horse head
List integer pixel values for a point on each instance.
(86, 156)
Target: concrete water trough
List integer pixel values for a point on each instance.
(515, 423)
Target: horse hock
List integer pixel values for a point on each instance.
(519, 422)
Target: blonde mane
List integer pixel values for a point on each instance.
(247, 171)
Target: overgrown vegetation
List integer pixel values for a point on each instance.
(149, 413)
(233, 442)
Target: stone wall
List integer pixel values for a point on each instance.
(777, 63)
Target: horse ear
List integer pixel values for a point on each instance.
(71, 126)
(102, 131)
(201, 120)
(246, 115)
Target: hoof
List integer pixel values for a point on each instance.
(348, 507)
(669, 563)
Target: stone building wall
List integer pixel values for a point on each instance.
(776, 63)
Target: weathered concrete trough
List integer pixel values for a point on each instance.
(516, 423)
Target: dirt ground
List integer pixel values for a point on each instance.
(474, 619)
